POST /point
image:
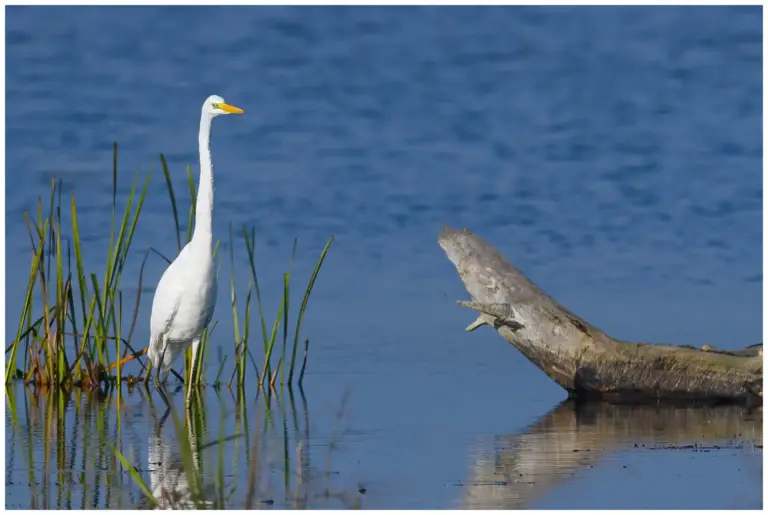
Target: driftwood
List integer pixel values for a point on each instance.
(580, 357)
(515, 470)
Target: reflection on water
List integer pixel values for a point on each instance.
(234, 452)
(520, 468)
(168, 480)
(225, 451)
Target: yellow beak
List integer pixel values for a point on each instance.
(230, 109)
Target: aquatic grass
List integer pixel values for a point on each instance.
(304, 362)
(250, 244)
(304, 303)
(192, 204)
(268, 374)
(286, 306)
(172, 198)
(10, 368)
(241, 344)
(135, 476)
(270, 346)
(73, 322)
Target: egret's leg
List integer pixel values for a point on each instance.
(162, 360)
(157, 376)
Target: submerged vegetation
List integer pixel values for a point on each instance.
(74, 329)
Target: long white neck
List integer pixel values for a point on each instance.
(204, 208)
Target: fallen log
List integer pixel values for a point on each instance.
(581, 358)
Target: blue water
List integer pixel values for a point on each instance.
(613, 154)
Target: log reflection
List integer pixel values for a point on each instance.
(520, 468)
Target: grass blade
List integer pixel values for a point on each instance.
(250, 245)
(239, 351)
(172, 196)
(217, 382)
(193, 201)
(286, 293)
(135, 476)
(270, 346)
(10, 367)
(304, 304)
(79, 259)
(304, 363)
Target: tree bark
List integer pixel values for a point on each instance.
(580, 357)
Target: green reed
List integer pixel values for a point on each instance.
(267, 375)
(45, 352)
(73, 322)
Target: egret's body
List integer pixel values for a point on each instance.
(183, 305)
(185, 297)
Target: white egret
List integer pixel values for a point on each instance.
(185, 297)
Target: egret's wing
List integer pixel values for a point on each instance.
(165, 304)
(168, 295)
(210, 307)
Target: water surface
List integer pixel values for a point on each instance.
(613, 154)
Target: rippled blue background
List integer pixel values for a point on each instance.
(613, 154)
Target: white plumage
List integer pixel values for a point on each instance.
(185, 297)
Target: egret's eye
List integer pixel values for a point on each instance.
(215, 105)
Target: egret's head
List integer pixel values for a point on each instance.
(215, 105)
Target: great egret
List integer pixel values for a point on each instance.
(185, 297)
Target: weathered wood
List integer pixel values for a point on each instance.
(580, 357)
